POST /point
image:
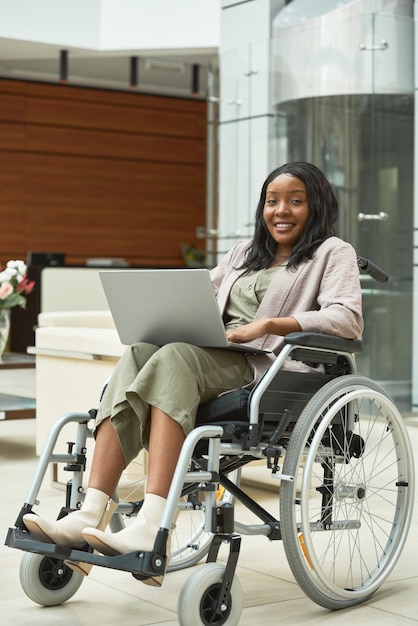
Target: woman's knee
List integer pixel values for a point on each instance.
(176, 357)
(140, 352)
(174, 348)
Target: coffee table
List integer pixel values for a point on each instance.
(13, 406)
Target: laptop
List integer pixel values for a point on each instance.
(161, 306)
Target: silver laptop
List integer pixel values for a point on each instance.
(163, 306)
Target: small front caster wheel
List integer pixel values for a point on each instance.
(199, 597)
(47, 581)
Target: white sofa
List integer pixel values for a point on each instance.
(76, 352)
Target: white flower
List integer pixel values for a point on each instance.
(16, 268)
(7, 274)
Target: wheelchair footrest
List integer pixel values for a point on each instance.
(22, 540)
(142, 564)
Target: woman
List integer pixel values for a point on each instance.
(295, 275)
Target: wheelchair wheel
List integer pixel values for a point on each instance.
(47, 581)
(199, 596)
(344, 535)
(190, 542)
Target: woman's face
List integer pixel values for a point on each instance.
(286, 211)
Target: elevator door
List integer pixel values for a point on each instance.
(364, 143)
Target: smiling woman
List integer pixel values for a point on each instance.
(286, 213)
(298, 182)
(152, 398)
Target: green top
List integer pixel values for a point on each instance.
(246, 295)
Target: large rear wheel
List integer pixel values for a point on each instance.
(345, 532)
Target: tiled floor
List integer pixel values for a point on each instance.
(107, 597)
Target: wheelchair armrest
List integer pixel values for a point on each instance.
(324, 342)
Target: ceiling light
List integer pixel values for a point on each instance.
(165, 66)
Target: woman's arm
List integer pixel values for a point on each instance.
(338, 306)
(268, 326)
(325, 298)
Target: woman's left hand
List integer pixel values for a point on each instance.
(264, 326)
(248, 332)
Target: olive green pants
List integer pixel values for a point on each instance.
(175, 378)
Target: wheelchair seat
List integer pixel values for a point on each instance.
(287, 393)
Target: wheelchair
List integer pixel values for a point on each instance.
(337, 445)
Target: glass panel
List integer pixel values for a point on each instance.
(243, 140)
(235, 99)
(363, 140)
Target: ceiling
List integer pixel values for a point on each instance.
(183, 73)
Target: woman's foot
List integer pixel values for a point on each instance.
(95, 511)
(139, 535)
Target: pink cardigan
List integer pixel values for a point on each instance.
(323, 295)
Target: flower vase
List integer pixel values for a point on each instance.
(4, 329)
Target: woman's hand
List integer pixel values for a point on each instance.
(265, 326)
(248, 332)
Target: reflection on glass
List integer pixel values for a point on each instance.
(364, 144)
(342, 94)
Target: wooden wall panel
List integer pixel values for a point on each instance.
(93, 173)
(12, 213)
(122, 145)
(101, 205)
(148, 119)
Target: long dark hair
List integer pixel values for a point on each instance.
(323, 212)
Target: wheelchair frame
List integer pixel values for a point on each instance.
(347, 436)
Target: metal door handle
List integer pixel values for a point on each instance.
(382, 217)
(383, 46)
